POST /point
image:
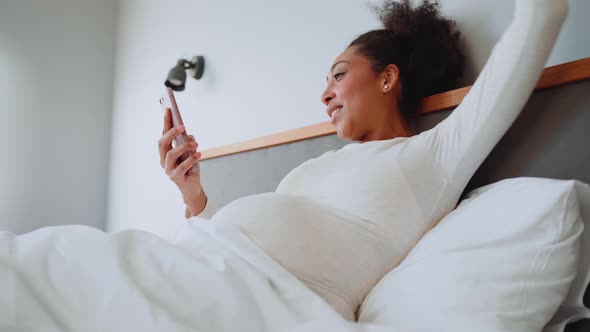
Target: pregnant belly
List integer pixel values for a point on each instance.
(336, 254)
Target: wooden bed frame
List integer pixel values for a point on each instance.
(554, 76)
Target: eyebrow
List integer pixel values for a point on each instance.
(334, 65)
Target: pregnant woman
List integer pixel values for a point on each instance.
(336, 224)
(341, 221)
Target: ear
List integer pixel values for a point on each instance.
(389, 78)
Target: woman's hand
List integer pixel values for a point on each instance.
(189, 183)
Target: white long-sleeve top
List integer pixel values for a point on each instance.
(341, 221)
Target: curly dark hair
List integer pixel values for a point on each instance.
(423, 44)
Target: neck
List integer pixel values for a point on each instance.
(393, 124)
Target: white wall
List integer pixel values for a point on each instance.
(56, 69)
(266, 63)
(482, 22)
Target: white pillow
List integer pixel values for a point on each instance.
(572, 309)
(503, 260)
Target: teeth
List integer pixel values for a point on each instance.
(334, 113)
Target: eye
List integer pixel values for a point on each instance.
(337, 76)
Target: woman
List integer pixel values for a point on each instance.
(341, 221)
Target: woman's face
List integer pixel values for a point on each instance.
(354, 96)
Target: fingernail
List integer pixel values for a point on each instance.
(180, 128)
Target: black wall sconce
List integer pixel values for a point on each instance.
(177, 76)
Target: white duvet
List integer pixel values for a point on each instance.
(77, 278)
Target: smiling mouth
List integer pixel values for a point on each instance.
(333, 109)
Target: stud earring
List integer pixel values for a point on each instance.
(385, 86)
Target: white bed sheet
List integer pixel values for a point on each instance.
(77, 278)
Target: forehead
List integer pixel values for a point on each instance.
(351, 58)
(349, 55)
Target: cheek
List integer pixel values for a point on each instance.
(356, 101)
(349, 96)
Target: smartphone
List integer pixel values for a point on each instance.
(169, 101)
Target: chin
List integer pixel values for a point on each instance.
(343, 135)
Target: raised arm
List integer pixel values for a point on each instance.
(461, 142)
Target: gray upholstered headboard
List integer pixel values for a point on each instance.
(550, 138)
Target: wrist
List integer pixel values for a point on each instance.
(197, 204)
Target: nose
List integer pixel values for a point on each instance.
(327, 96)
